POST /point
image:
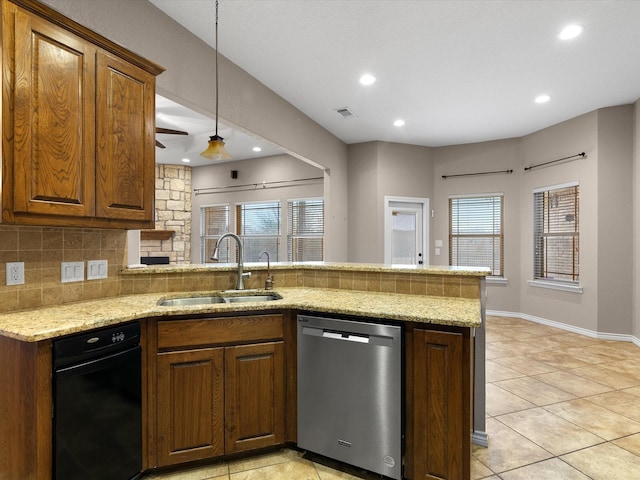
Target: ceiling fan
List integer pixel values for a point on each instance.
(168, 131)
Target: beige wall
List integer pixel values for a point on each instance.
(606, 214)
(474, 158)
(244, 102)
(568, 138)
(376, 170)
(615, 219)
(252, 172)
(636, 220)
(365, 220)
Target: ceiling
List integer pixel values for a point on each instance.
(172, 115)
(457, 71)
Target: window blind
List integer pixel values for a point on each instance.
(305, 230)
(556, 234)
(259, 225)
(476, 236)
(214, 221)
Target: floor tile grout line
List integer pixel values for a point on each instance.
(627, 357)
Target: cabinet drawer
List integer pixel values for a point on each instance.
(219, 330)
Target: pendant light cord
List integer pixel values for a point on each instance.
(216, 32)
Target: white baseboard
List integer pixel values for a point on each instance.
(570, 328)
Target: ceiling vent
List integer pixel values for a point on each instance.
(345, 112)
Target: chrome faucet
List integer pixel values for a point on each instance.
(268, 283)
(216, 254)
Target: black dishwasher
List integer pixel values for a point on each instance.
(97, 410)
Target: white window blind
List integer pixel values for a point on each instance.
(557, 234)
(214, 221)
(476, 235)
(305, 230)
(259, 225)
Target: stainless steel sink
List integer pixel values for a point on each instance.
(176, 302)
(223, 298)
(252, 298)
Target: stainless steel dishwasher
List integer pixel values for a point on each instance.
(350, 392)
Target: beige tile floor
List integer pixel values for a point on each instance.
(560, 406)
(280, 465)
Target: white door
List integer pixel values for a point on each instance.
(406, 228)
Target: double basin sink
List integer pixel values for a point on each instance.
(223, 297)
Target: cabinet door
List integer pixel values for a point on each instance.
(254, 391)
(125, 155)
(54, 159)
(190, 405)
(441, 418)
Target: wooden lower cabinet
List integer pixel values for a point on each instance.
(190, 405)
(218, 400)
(441, 408)
(222, 386)
(254, 396)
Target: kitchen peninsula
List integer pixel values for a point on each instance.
(440, 309)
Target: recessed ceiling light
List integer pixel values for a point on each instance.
(398, 123)
(257, 149)
(542, 98)
(367, 79)
(570, 31)
(186, 160)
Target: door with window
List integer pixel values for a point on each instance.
(406, 231)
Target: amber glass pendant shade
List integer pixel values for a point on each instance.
(216, 150)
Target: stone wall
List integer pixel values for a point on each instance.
(173, 212)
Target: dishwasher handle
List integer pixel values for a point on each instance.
(379, 340)
(345, 336)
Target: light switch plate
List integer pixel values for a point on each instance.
(72, 272)
(96, 269)
(15, 273)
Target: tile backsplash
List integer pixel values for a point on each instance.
(43, 249)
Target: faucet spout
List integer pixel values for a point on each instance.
(216, 253)
(268, 283)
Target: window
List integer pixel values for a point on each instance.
(259, 225)
(556, 234)
(305, 230)
(476, 236)
(214, 221)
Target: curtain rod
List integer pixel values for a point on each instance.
(255, 186)
(478, 173)
(581, 155)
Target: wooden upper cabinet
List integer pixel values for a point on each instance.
(125, 169)
(78, 123)
(53, 123)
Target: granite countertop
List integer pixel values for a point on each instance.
(331, 266)
(56, 321)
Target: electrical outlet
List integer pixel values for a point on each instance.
(15, 273)
(96, 269)
(72, 272)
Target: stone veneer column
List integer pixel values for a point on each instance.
(173, 212)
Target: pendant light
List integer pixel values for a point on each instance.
(216, 150)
